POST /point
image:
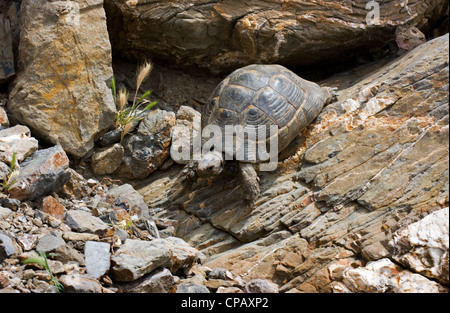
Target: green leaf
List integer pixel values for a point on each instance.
(113, 87)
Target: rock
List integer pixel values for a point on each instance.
(135, 258)
(4, 213)
(49, 243)
(6, 51)
(191, 288)
(133, 199)
(77, 283)
(260, 286)
(7, 247)
(97, 258)
(220, 35)
(66, 254)
(147, 150)
(107, 160)
(387, 144)
(82, 221)
(43, 172)
(384, 276)
(220, 273)
(424, 246)
(4, 121)
(409, 37)
(19, 141)
(71, 103)
(111, 137)
(73, 236)
(51, 206)
(187, 125)
(4, 170)
(229, 290)
(183, 256)
(27, 241)
(159, 281)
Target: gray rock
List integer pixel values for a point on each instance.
(41, 173)
(187, 125)
(7, 248)
(191, 288)
(220, 273)
(97, 258)
(135, 258)
(147, 150)
(85, 222)
(261, 286)
(6, 51)
(4, 170)
(159, 281)
(4, 213)
(134, 200)
(49, 243)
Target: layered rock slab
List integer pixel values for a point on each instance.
(220, 35)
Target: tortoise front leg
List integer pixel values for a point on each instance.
(250, 181)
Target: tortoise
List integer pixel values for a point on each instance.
(259, 95)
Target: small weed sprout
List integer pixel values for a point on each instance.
(9, 179)
(42, 261)
(127, 116)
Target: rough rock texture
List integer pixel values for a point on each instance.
(43, 172)
(107, 160)
(187, 125)
(135, 258)
(7, 70)
(146, 150)
(333, 196)
(423, 246)
(228, 34)
(61, 90)
(16, 140)
(384, 276)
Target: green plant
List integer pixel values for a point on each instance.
(8, 181)
(127, 116)
(42, 261)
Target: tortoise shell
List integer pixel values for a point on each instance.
(265, 95)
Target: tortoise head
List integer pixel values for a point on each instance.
(210, 164)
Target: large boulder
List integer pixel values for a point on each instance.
(61, 90)
(227, 34)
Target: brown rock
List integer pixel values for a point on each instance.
(107, 160)
(71, 102)
(52, 207)
(4, 121)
